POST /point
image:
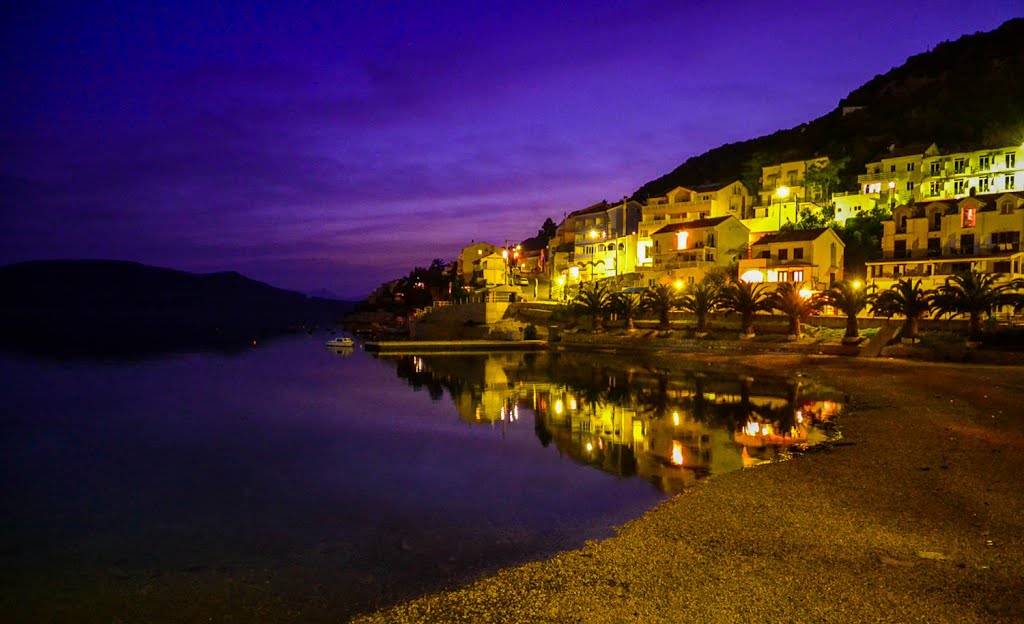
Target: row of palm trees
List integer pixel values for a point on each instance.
(971, 294)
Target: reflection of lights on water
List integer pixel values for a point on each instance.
(753, 428)
(478, 412)
(417, 364)
(675, 418)
(799, 416)
(572, 404)
(515, 412)
(677, 452)
(559, 408)
(503, 412)
(590, 447)
(600, 444)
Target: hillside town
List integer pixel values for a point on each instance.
(942, 214)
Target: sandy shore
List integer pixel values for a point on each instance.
(917, 515)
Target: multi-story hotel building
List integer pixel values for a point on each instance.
(813, 257)
(919, 174)
(934, 239)
(686, 251)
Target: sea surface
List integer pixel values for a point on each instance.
(292, 482)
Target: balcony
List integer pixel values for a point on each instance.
(873, 177)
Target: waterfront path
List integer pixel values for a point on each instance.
(917, 515)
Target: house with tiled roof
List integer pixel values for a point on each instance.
(687, 250)
(813, 257)
(934, 239)
(689, 204)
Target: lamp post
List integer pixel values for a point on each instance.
(782, 193)
(892, 194)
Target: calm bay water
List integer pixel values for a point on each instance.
(289, 482)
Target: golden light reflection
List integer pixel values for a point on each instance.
(572, 404)
(753, 276)
(559, 408)
(677, 452)
(675, 418)
(590, 447)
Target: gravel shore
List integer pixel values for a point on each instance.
(915, 515)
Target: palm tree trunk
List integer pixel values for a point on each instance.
(975, 327)
(702, 322)
(748, 323)
(910, 328)
(663, 320)
(852, 329)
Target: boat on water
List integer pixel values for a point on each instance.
(340, 342)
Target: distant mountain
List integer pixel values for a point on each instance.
(965, 94)
(108, 306)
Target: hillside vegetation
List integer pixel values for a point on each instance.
(963, 94)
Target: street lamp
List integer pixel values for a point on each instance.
(782, 193)
(561, 285)
(892, 194)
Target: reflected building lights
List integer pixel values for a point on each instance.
(670, 431)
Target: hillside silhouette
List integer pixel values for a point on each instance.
(109, 307)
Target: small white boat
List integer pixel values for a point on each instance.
(340, 342)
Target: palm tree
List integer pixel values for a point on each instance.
(788, 299)
(850, 298)
(593, 300)
(905, 298)
(974, 294)
(660, 300)
(746, 298)
(701, 299)
(625, 305)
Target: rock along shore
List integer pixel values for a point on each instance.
(915, 515)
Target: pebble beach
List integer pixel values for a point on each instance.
(915, 514)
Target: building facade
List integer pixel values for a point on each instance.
(687, 251)
(813, 257)
(689, 204)
(791, 176)
(934, 239)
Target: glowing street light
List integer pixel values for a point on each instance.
(783, 193)
(857, 284)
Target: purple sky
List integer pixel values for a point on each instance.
(337, 145)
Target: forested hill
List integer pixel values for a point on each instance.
(108, 306)
(964, 94)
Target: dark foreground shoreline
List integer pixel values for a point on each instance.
(915, 516)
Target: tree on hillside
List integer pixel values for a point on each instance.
(747, 299)
(795, 304)
(862, 236)
(660, 300)
(905, 298)
(825, 178)
(974, 294)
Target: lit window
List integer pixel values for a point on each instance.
(968, 217)
(681, 239)
(798, 276)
